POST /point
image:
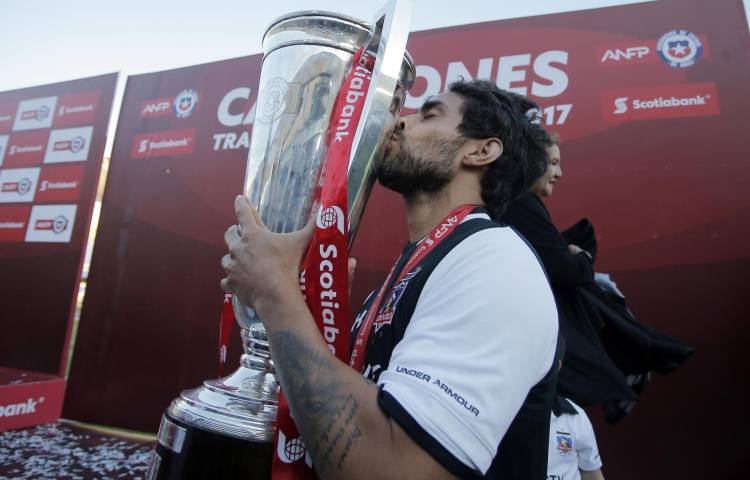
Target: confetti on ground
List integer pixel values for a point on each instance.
(58, 451)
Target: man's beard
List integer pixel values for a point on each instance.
(428, 171)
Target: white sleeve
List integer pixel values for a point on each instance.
(586, 448)
(482, 335)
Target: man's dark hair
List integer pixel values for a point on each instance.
(490, 112)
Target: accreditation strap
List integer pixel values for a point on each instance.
(376, 314)
(324, 279)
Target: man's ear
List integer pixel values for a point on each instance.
(484, 151)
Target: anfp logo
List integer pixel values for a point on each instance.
(330, 216)
(56, 225)
(21, 187)
(616, 54)
(39, 114)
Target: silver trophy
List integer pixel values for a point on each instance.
(306, 58)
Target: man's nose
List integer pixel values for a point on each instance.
(400, 124)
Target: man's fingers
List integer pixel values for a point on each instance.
(225, 285)
(308, 231)
(304, 236)
(232, 234)
(226, 263)
(247, 216)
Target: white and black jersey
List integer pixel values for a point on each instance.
(465, 363)
(572, 443)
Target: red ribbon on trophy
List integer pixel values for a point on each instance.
(324, 279)
(226, 322)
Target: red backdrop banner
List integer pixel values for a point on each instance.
(149, 325)
(650, 100)
(51, 148)
(651, 103)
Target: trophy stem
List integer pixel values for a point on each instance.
(257, 349)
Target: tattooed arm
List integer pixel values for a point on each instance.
(334, 407)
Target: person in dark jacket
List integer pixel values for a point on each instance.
(604, 341)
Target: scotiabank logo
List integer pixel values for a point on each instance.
(24, 408)
(51, 223)
(63, 111)
(13, 221)
(47, 186)
(35, 113)
(76, 109)
(661, 101)
(60, 184)
(292, 450)
(17, 149)
(162, 144)
(329, 217)
(25, 149)
(6, 118)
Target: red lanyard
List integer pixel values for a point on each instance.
(424, 247)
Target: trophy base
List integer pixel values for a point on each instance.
(188, 452)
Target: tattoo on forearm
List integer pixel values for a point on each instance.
(324, 412)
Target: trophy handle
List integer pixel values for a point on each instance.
(384, 99)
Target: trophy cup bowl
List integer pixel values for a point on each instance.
(225, 428)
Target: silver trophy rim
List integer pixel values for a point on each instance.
(324, 13)
(316, 13)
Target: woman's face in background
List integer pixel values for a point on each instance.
(545, 185)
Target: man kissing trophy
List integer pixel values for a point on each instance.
(331, 88)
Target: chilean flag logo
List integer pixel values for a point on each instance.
(679, 48)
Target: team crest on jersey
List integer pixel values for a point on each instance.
(564, 443)
(385, 315)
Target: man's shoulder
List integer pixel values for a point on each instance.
(495, 268)
(491, 247)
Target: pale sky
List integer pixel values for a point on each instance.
(47, 41)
